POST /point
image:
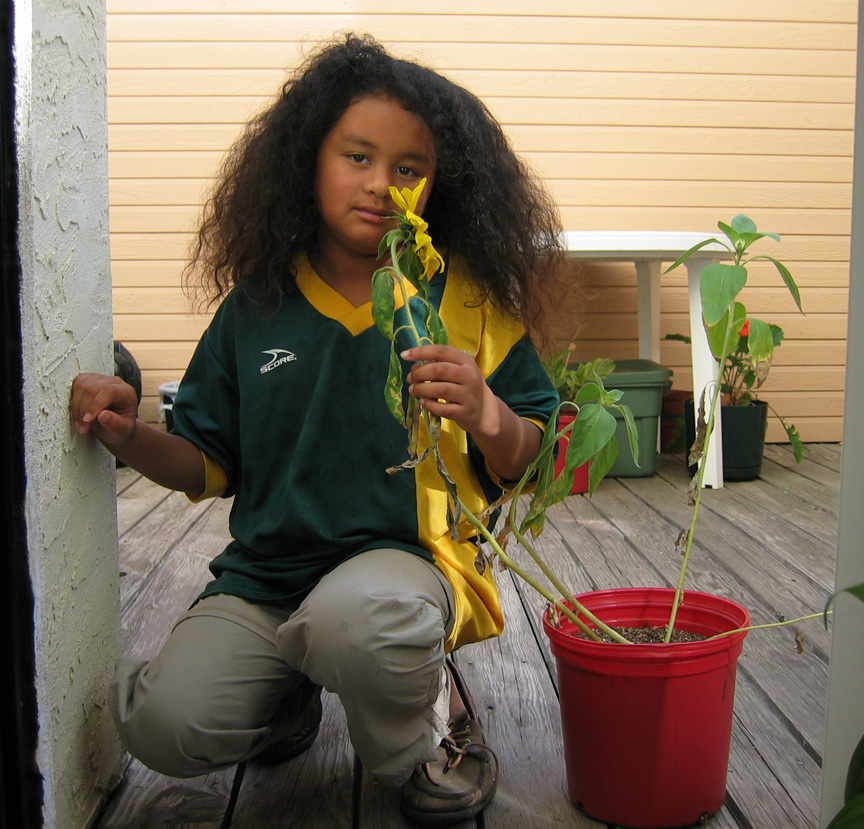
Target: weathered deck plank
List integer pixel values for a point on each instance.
(777, 556)
(313, 790)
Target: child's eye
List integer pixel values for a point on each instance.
(358, 158)
(408, 172)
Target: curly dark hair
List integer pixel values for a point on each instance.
(485, 205)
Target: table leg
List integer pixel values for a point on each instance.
(648, 295)
(706, 370)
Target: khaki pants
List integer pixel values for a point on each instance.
(229, 681)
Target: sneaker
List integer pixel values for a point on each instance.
(461, 781)
(308, 718)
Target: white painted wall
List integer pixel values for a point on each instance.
(66, 327)
(845, 724)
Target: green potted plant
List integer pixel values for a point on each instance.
(745, 367)
(568, 381)
(646, 675)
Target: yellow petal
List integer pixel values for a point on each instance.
(406, 199)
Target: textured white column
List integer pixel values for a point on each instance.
(66, 326)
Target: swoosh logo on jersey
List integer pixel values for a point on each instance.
(278, 357)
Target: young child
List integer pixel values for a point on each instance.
(339, 574)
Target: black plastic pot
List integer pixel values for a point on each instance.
(743, 438)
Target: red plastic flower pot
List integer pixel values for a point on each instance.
(647, 728)
(580, 474)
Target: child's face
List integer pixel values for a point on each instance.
(376, 144)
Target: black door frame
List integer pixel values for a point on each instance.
(21, 786)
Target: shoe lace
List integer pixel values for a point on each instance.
(457, 745)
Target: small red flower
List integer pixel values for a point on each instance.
(745, 329)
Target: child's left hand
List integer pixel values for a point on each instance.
(449, 384)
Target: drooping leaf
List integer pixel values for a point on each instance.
(454, 509)
(601, 464)
(719, 284)
(412, 462)
(795, 440)
(760, 340)
(413, 418)
(697, 450)
(393, 386)
(592, 430)
(632, 432)
(435, 327)
(856, 590)
(787, 278)
(383, 302)
(387, 240)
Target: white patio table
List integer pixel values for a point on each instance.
(648, 250)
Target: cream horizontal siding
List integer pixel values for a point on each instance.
(662, 115)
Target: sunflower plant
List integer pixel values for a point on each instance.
(413, 261)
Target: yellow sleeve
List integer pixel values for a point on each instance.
(215, 481)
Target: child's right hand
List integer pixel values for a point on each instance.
(105, 406)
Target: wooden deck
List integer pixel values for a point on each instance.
(776, 557)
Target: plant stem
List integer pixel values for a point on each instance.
(806, 618)
(400, 278)
(546, 594)
(700, 475)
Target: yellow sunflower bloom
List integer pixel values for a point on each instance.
(430, 258)
(406, 201)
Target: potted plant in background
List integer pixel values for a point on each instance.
(568, 381)
(744, 415)
(646, 675)
(744, 368)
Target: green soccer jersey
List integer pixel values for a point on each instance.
(290, 404)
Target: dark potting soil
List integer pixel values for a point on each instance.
(651, 635)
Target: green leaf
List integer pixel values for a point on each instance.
(760, 341)
(851, 816)
(632, 432)
(732, 235)
(589, 393)
(750, 238)
(393, 386)
(592, 430)
(454, 510)
(601, 463)
(383, 302)
(717, 333)
(412, 269)
(787, 278)
(743, 224)
(719, 284)
(856, 590)
(435, 327)
(795, 440)
(687, 254)
(855, 773)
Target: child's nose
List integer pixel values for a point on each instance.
(378, 181)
